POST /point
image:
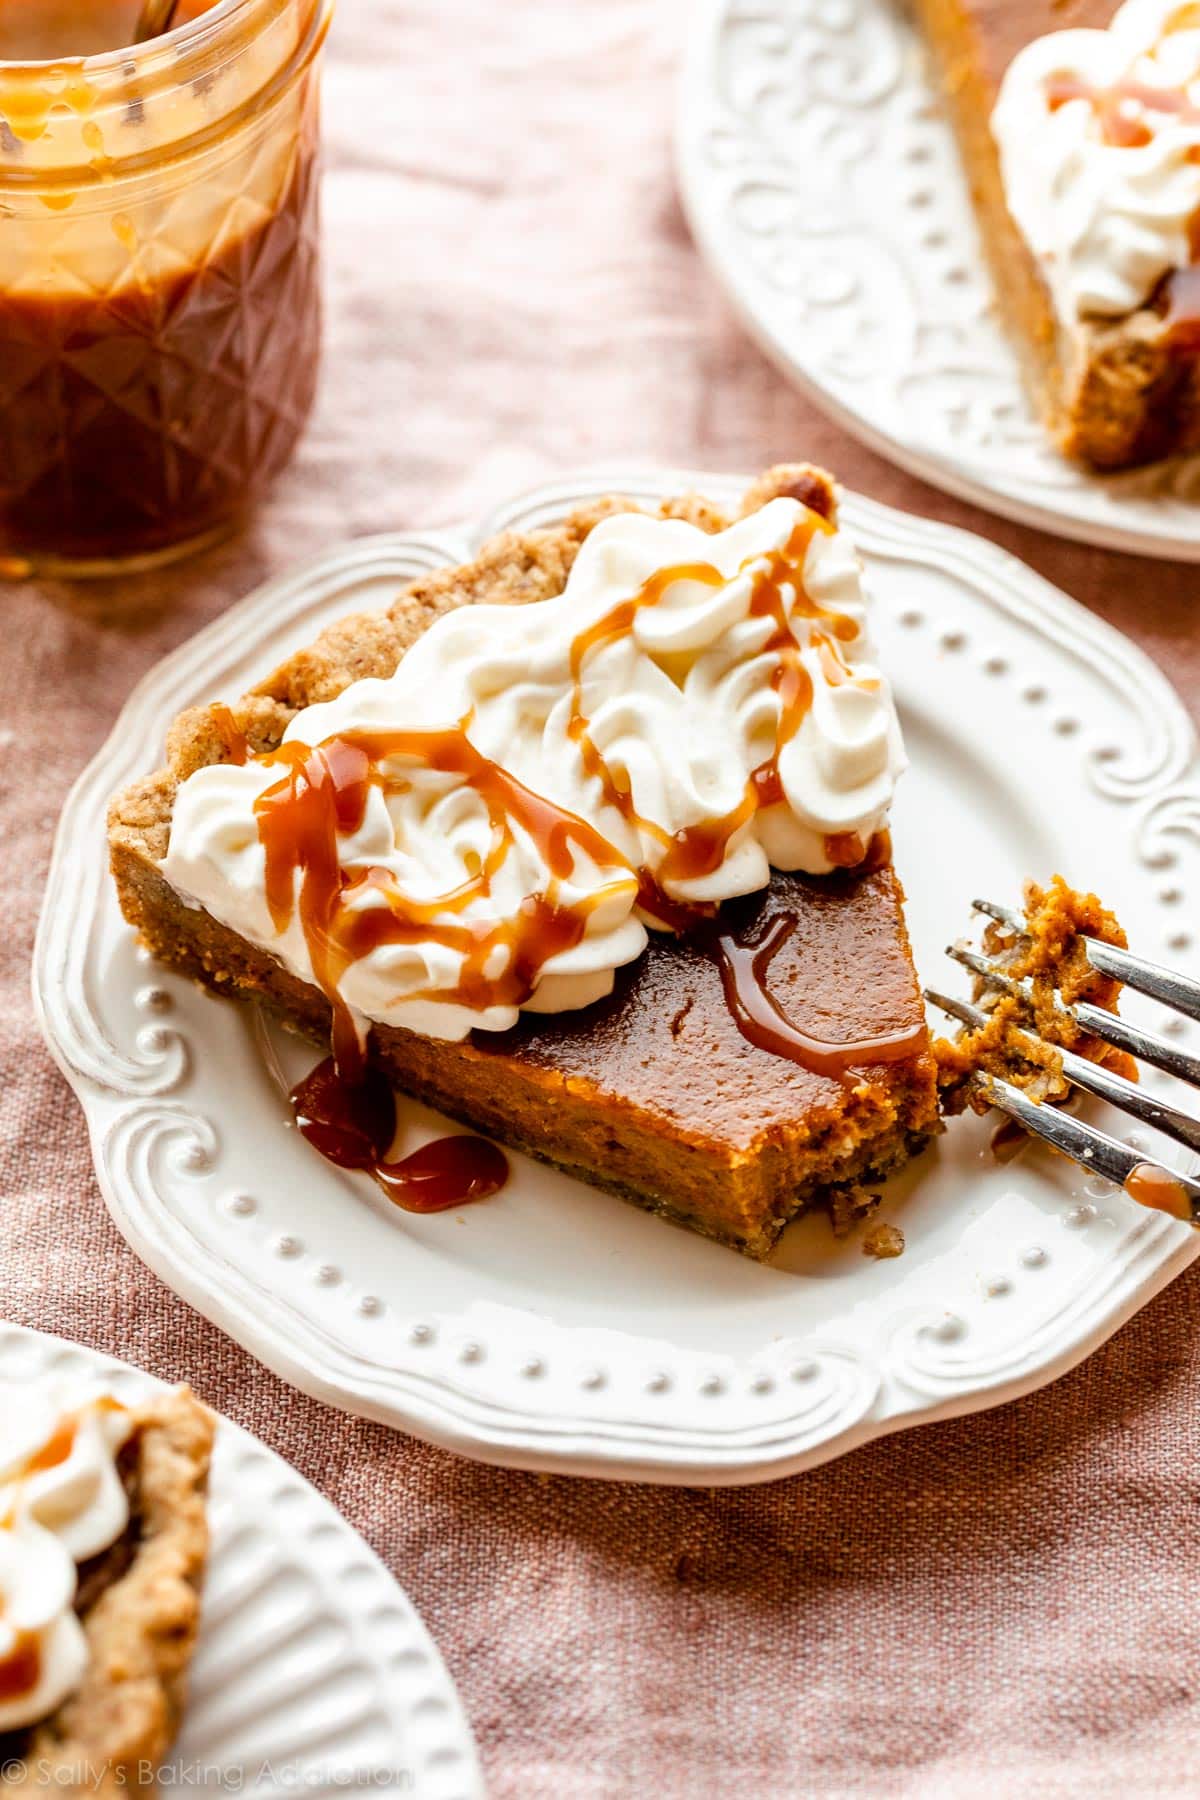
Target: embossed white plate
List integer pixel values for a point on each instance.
(312, 1673)
(823, 185)
(554, 1326)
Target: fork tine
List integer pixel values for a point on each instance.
(1166, 985)
(979, 965)
(1096, 1080)
(1004, 915)
(1173, 989)
(1148, 1182)
(1108, 1026)
(1139, 1043)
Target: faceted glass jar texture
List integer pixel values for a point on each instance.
(159, 286)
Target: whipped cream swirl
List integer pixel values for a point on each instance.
(1099, 141)
(640, 701)
(61, 1501)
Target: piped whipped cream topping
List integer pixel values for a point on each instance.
(61, 1501)
(1099, 141)
(536, 784)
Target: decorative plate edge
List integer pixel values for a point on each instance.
(419, 1402)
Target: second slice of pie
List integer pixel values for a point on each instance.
(103, 1543)
(608, 880)
(1079, 123)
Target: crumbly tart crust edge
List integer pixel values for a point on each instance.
(141, 1632)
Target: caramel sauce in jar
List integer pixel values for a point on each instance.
(159, 282)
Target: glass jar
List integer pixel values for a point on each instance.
(159, 283)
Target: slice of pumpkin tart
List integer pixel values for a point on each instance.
(584, 844)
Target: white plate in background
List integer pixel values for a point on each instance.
(824, 188)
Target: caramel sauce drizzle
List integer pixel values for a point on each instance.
(59, 1446)
(699, 850)
(232, 736)
(340, 1107)
(1121, 108)
(1151, 1186)
(324, 794)
(744, 970)
(56, 1450)
(26, 106)
(21, 1669)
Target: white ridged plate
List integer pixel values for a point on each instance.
(313, 1673)
(555, 1327)
(823, 185)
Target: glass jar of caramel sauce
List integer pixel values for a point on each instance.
(159, 283)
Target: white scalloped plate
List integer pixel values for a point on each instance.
(824, 188)
(555, 1327)
(313, 1673)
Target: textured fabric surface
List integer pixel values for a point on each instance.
(1005, 1603)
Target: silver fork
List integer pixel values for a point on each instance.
(1143, 1178)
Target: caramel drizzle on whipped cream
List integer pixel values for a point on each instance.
(699, 849)
(1122, 112)
(21, 1668)
(55, 1450)
(324, 791)
(20, 1671)
(1121, 108)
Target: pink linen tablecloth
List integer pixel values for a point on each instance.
(1007, 1603)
